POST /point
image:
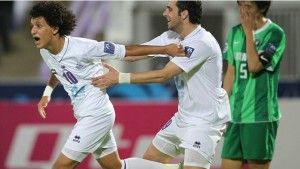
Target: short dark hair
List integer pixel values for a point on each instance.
(193, 7)
(56, 15)
(262, 6)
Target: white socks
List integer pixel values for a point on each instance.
(139, 163)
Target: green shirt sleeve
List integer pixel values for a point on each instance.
(275, 46)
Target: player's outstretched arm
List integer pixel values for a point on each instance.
(138, 52)
(52, 83)
(113, 76)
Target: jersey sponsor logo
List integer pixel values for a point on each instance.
(197, 144)
(188, 51)
(109, 48)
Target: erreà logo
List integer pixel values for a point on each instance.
(188, 51)
(76, 138)
(197, 144)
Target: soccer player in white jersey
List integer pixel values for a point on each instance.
(203, 109)
(72, 61)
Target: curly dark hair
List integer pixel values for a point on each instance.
(193, 7)
(56, 15)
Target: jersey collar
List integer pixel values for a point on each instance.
(193, 32)
(263, 28)
(62, 53)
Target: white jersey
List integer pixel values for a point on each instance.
(201, 98)
(74, 67)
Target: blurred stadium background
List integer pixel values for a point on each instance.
(23, 77)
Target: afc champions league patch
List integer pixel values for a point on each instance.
(109, 48)
(270, 49)
(188, 51)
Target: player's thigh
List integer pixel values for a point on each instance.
(165, 145)
(110, 161)
(232, 147)
(107, 153)
(89, 133)
(153, 154)
(63, 162)
(201, 139)
(264, 136)
(195, 160)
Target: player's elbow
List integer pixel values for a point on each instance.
(254, 69)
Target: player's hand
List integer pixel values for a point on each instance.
(247, 19)
(108, 79)
(175, 50)
(42, 105)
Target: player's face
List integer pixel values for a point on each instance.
(172, 16)
(41, 32)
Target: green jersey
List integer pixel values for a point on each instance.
(254, 96)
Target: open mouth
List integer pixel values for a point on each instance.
(36, 39)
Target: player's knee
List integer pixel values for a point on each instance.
(157, 158)
(58, 165)
(259, 164)
(147, 156)
(111, 165)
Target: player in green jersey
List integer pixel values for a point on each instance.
(253, 53)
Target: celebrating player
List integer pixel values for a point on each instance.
(203, 109)
(71, 60)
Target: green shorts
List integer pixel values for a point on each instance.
(251, 141)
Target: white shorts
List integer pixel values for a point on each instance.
(173, 139)
(91, 134)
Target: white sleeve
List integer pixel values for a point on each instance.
(107, 50)
(158, 41)
(165, 38)
(197, 52)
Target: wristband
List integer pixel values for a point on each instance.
(124, 77)
(48, 90)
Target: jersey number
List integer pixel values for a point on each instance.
(70, 77)
(243, 71)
